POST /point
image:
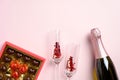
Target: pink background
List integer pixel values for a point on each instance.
(27, 23)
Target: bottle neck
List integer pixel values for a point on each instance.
(98, 46)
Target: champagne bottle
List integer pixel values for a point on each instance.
(104, 66)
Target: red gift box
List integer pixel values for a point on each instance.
(19, 64)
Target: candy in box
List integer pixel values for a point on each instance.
(19, 64)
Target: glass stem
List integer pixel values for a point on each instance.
(68, 78)
(56, 71)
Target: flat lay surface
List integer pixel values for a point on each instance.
(31, 25)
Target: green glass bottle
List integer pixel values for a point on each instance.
(105, 68)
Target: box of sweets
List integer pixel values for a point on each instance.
(19, 64)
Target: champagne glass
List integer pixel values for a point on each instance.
(56, 55)
(71, 60)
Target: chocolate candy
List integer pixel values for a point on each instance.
(18, 55)
(3, 68)
(1, 77)
(27, 78)
(10, 51)
(36, 62)
(7, 58)
(32, 70)
(26, 58)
